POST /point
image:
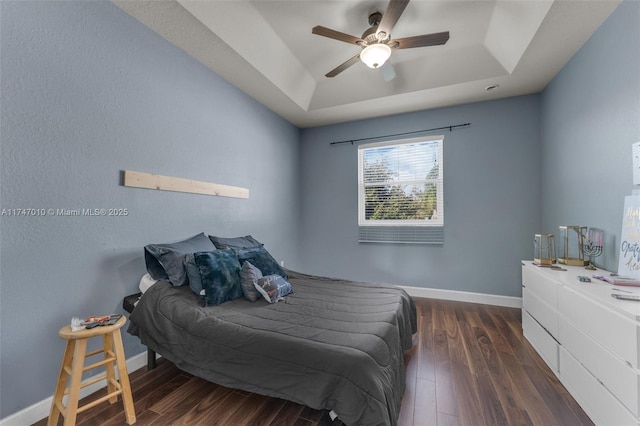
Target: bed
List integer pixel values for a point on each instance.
(332, 344)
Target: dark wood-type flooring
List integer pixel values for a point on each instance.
(470, 365)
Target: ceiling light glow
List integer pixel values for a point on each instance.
(375, 55)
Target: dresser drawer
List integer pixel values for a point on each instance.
(617, 333)
(540, 285)
(621, 379)
(544, 313)
(542, 341)
(599, 404)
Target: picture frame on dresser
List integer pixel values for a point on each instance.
(629, 256)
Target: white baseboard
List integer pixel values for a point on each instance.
(465, 296)
(41, 409)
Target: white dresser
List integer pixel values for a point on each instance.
(589, 339)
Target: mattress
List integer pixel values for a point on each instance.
(332, 344)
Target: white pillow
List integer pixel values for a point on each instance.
(145, 282)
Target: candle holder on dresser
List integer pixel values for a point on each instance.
(544, 249)
(571, 251)
(592, 246)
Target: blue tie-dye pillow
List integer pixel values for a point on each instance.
(220, 274)
(273, 288)
(261, 259)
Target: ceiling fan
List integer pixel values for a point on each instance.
(376, 42)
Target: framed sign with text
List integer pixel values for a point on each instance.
(629, 259)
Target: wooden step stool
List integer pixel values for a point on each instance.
(73, 367)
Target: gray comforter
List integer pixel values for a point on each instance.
(332, 344)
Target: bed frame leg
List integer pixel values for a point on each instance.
(151, 359)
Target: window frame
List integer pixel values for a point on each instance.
(420, 224)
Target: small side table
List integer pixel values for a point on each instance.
(130, 302)
(73, 367)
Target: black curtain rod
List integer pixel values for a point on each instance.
(351, 141)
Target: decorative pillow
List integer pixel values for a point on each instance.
(166, 261)
(236, 242)
(273, 288)
(146, 282)
(261, 259)
(220, 274)
(249, 275)
(193, 272)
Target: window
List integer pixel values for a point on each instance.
(400, 196)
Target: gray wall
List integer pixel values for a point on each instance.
(590, 119)
(491, 191)
(87, 91)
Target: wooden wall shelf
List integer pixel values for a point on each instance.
(168, 183)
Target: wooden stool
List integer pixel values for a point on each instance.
(73, 366)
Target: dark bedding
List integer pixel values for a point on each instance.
(332, 344)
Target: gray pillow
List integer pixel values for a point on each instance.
(235, 242)
(193, 272)
(273, 288)
(249, 275)
(166, 261)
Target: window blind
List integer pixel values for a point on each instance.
(400, 191)
(401, 234)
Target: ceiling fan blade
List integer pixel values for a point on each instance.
(337, 70)
(336, 35)
(390, 17)
(424, 40)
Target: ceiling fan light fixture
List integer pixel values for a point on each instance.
(375, 55)
(376, 42)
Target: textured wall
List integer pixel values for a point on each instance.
(87, 92)
(590, 119)
(491, 192)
